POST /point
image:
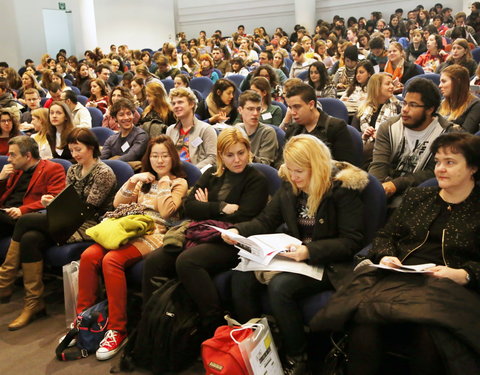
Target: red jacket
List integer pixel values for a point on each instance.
(48, 178)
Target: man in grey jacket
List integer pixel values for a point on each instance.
(263, 139)
(401, 155)
(195, 140)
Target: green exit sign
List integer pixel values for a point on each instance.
(61, 6)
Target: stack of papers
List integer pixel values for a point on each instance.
(260, 253)
(418, 268)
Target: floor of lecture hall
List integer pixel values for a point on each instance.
(31, 350)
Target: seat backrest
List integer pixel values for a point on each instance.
(122, 171)
(357, 145)
(102, 134)
(68, 82)
(282, 106)
(219, 72)
(43, 101)
(168, 84)
(303, 75)
(280, 137)
(476, 54)
(97, 116)
(430, 182)
(435, 78)
(334, 107)
(202, 84)
(65, 163)
(237, 79)
(82, 99)
(375, 208)
(274, 180)
(3, 161)
(76, 90)
(288, 62)
(193, 173)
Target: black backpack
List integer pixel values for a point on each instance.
(167, 337)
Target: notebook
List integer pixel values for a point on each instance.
(65, 214)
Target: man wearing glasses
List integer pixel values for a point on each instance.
(401, 155)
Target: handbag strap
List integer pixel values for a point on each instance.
(73, 353)
(255, 326)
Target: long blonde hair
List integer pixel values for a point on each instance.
(42, 115)
(160, 102)
(229, 137)
(309, 152)
(374, 88)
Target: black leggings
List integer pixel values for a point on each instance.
(31, 231)
(368, 344)
(7, 224)
(194, 267)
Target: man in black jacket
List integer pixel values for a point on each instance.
(309, 119)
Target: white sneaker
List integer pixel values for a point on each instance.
(73, 342)
(111, 344)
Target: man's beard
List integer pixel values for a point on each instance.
(418, 123)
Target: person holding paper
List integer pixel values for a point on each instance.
(95, 184)
(319, 202)
(232, 192)
(434, 314)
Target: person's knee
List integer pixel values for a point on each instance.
(92, 255)
(112, 260)
(279, 285)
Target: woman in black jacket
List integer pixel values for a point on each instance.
(319, 203)
(232, 192)
(434, 316)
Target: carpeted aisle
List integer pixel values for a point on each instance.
(31, 350)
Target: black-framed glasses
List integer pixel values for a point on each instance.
(412, 105)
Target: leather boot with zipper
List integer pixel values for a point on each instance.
(33, 307)
(9, 271)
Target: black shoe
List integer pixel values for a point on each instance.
(296, 367)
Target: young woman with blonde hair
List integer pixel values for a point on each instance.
(459, 105)
(41, 126)
(379, 105)
(158, 108)
(231, 192)
(315, 192)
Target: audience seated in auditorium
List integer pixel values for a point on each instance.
(158, 114)
(309, 119)
(398, 67)
(263, 138)
(95, 183)
(461, 55)
(6, 96)
(315, 189)
(356, 93)
(98, 98)
(434, 56)
(194, 140)
(219, 106)
(232, 192)
(9, 126)
(23, 181)
(160, 188)
(81, 115)
(401, 154)
(130, 142)
(459, 105)
(41, 127)
(117, 93)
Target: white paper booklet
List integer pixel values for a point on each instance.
(418, 268)
(281, 264)
(261, 248)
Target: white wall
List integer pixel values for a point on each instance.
(136, 23)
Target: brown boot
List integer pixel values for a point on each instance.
(34, 306)
(9, 271)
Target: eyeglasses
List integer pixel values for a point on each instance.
(413, 105)
(157, 156)
(6, 121)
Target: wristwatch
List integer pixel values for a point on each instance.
(467, 277)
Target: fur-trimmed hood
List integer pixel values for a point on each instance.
(349, 176)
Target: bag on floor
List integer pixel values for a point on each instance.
(89, 330)
(167, 338)
(70, 291)
(246, 349)
(221, 354)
